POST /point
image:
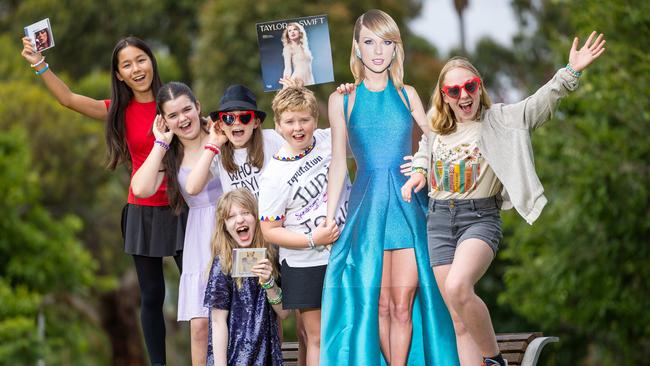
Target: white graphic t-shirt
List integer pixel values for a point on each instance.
(294, 189)
(247, 175)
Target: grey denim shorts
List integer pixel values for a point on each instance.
(450, 222)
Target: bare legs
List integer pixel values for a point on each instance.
(302, 340)
(311, 323)
(199, 340)
(475, 336)
(398, 284)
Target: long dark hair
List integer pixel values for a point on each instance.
(117, 151)
(174, 157)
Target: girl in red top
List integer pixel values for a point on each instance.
(151, 229)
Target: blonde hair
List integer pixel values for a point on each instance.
(441, 118)
(302, 41)
(385, 27)
(294, 99)
(223, 243)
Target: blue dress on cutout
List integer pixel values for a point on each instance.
(379, 130)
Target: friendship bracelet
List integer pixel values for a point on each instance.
(212, 147)
(38, 63)
(163, 144)
(268, 284)
(310, 240)
(42, 70)
(277, 299)
(572, 71)
(419, 170)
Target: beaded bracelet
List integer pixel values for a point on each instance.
(163, 144)
(419, 170)
(277, 299)
(42, 70)
(310, 240)
(212, 147)
(572, 71)
(268, 284)
(38, 63)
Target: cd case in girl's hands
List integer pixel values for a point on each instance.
(41, 35)
(244, 259)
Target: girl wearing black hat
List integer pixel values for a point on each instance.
(242, 146)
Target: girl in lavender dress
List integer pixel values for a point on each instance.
(243, 310)
(181, 136)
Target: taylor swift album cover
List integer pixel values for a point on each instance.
(244, 259)
(297, 48)
(41, 35)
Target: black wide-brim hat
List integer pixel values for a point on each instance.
(238, 98)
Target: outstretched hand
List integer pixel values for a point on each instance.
(579, 59)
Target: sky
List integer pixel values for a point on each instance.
(439, 23)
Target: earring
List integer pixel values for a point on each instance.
(394, 53)
(357, 52)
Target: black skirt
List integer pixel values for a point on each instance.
(153, 231)
(302, 287)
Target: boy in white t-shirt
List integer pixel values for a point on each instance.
(293, 207)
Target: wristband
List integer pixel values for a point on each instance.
(268, 284)
(572, 71)
(212, 147)
(277, 299)
(38, 63)
(419, 170)
(310, 240)
(163, 144)
(42, 70)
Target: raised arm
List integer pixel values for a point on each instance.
(90, 107)
(200, 174)
(338, 167)
(219, 320)
(539, 107)
(146, 181)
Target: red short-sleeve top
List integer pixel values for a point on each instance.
(139, 140)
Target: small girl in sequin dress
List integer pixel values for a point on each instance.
(243, 310)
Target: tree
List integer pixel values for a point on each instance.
(41, 259)
(460, 6)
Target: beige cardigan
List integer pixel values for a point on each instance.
(505, 144)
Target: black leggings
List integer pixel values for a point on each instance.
(152, 296)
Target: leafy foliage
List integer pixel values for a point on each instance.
(581, 271)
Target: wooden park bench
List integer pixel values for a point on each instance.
(520, 349)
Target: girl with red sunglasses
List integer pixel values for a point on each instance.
(239, 147)
(478, 159)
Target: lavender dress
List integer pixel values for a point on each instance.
(196, 252)
(253, 338)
